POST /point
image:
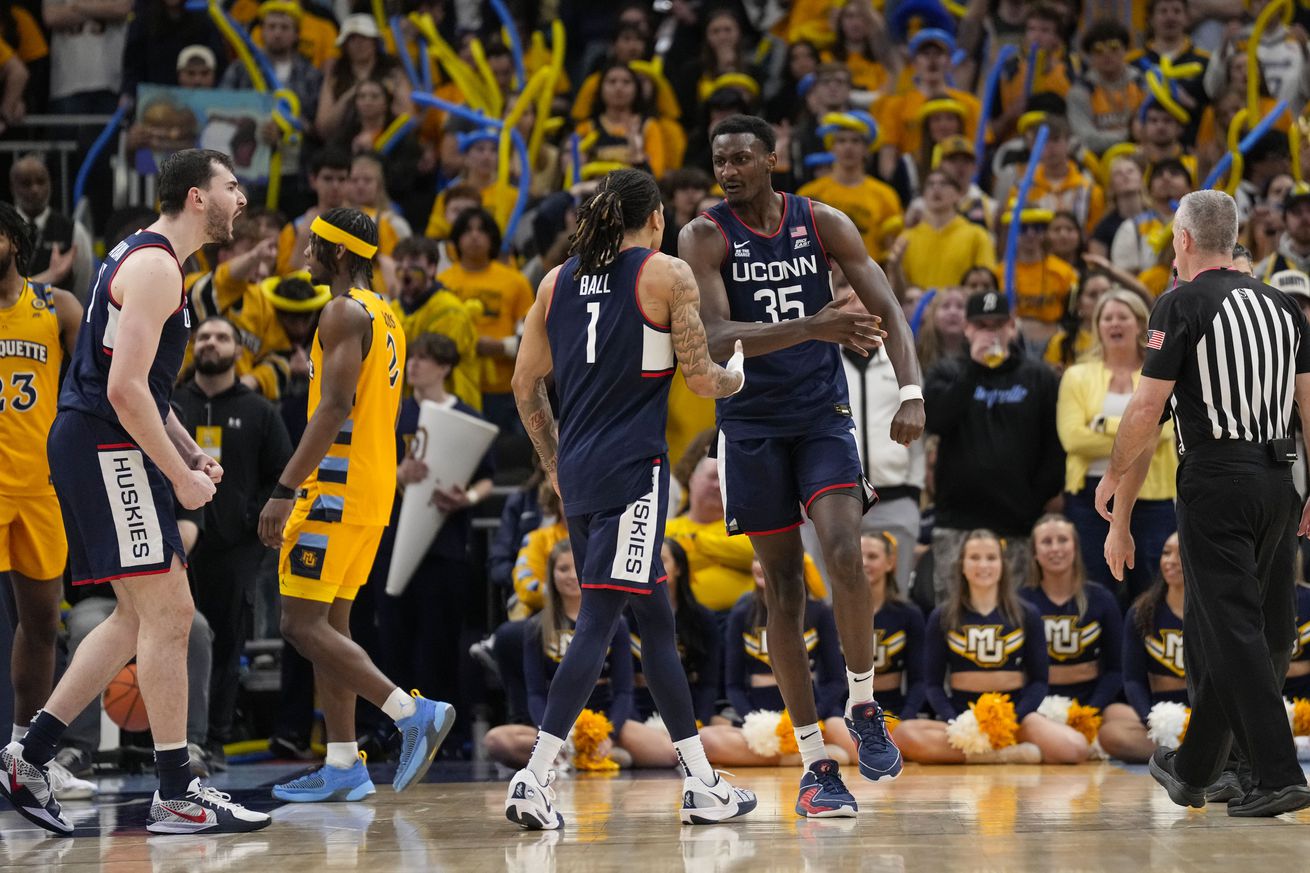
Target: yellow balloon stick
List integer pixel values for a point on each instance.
(504, 205)
(1277, 7)
(489, 86)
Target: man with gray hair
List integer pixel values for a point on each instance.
(1230, 355)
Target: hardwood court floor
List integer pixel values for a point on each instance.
(1097, 817)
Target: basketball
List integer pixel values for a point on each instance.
(123, 703)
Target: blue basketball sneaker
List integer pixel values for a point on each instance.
(880, 758)
(420, 736)
(823, 794)
(329, 784)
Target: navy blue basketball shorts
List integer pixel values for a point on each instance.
(117, 505)
(619, 548)
(765, 481)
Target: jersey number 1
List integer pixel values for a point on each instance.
(593, 315)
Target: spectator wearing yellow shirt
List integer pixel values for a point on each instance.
(426, 306)
(720, 564)
(505, 297)
(329, 175)
(630, 44)
(534, 556)
(863, 45)
(930, 53)
(1042, 282)
(621, 129)
(1058, 184)
(938, 250)
(849, 189)
(1051, 76)
(479, 148)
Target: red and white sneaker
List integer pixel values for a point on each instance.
(27, 787)
(203, 810)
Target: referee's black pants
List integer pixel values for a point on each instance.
(225, 594)
(1237, 518)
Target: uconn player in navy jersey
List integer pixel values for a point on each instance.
(612, 323)
(119, 458)
(762, 262)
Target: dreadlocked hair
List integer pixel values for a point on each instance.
(623, 202)
(355, 223)
(19, 232)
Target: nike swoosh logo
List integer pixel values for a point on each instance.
(807, 736)
(740, 245)
(194, 819)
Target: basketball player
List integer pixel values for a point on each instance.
(119, 459)
(762, 262)
(612, 322)
(332, 502)
(38, 328)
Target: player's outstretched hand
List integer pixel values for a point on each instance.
(907, 424)
(194, 490)
(856, 330)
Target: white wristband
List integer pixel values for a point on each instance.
(473, 497)
(911, 392)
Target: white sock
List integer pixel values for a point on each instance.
(691, 754)
(544, 753)
(809, 739)
(399, 705)
(168, 747)
(859, 689)
(342, 755)
(19, 731)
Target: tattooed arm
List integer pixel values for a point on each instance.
(669, 286)
(531, 368)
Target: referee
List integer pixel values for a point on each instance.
(1230, 355)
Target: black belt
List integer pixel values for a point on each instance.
(1279, 452)
(887, 493)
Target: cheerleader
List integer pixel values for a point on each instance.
(700, 649)
(549, 633)
(988, 640)
(751, 685)
(1084, 630)
(1298, 672)
(1153, 662)
(898, 625)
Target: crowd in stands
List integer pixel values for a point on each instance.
(1030, 317)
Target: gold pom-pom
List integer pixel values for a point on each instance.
(890, 721)
(1301, 717)
(996, 719)
(589, 731)
(1085, 719)
(786, 733)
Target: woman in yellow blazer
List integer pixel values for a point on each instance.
(1093, 395)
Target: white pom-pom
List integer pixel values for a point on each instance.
(1291, 713)
(963, 733)
(1096, 753)
(656, 723)
(1302, 748)
(1056, 708)
(1164, 724)
(760, 730)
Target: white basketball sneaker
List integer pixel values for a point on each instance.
(203, 810)
(710, 804)
(531, 805)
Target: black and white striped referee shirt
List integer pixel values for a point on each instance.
(1233, 345)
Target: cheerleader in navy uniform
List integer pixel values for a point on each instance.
(751, 685)
(548, 636)
(1084, 630)
(989, 641)
(1153, 662)
(1298, 672)
(898, 628)
(700, 648)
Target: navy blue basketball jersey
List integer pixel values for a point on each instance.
(613, 368)
(774, 278)
(86, 385)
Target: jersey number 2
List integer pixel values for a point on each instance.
(26, 397)
(393, 369)
(593, 316)
(777, 304)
